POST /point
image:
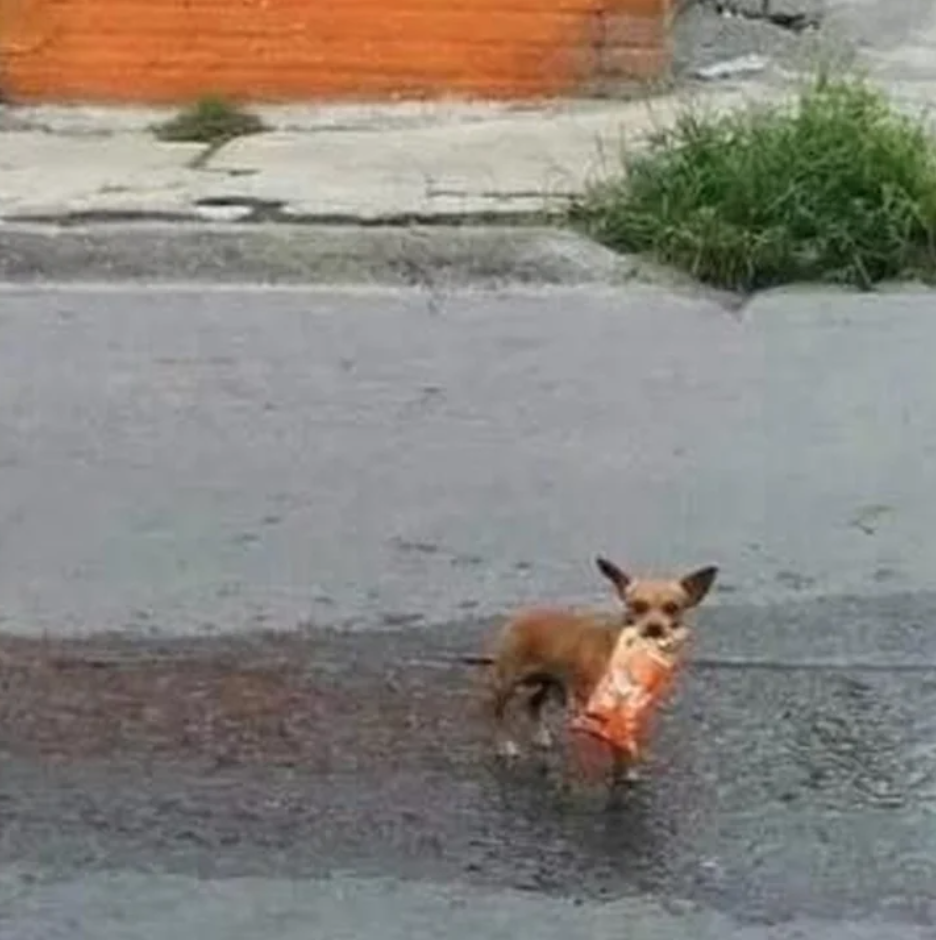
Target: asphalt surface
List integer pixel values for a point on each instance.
(378, 474)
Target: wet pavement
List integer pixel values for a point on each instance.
(192, 774)
(782, 793)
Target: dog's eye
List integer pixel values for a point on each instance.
(639, 608)
(670, 609)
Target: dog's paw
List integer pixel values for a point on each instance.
(630, 776)
(625, 775)
(508, 750)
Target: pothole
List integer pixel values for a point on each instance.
(238, 208)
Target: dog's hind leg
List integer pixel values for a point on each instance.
(500, 698)
(545, 687)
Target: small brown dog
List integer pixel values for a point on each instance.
(550, 652)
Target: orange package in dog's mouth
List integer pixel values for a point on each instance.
(639, 675)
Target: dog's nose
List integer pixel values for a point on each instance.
(654, 629)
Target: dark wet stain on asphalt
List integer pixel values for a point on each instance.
(773, 792)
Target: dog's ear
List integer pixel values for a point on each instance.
(698, 584)
(610, 570)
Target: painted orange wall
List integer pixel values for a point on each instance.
(282, 50)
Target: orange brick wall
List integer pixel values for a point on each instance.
(281, 50)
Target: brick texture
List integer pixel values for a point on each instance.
(162, 51)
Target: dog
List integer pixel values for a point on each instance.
(561, 654)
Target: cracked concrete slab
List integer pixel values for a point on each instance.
(509, 164)
(42, 172)
(506, 164)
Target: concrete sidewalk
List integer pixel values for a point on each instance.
(350, 163)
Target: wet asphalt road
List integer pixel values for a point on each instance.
(401, 468)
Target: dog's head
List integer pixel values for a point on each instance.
(656, 608)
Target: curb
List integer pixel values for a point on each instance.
(228, 211)
(402, 254)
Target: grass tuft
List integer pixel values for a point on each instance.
(841, 188)
(210, 120)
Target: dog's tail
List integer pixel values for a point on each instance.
(476, 660)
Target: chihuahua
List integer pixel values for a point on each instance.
(546, 653)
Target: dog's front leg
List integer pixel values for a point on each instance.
(624, 771)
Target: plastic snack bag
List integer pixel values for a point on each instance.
(640, 674)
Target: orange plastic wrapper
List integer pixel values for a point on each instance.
(639, 676)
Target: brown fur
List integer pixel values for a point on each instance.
(563, 653)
